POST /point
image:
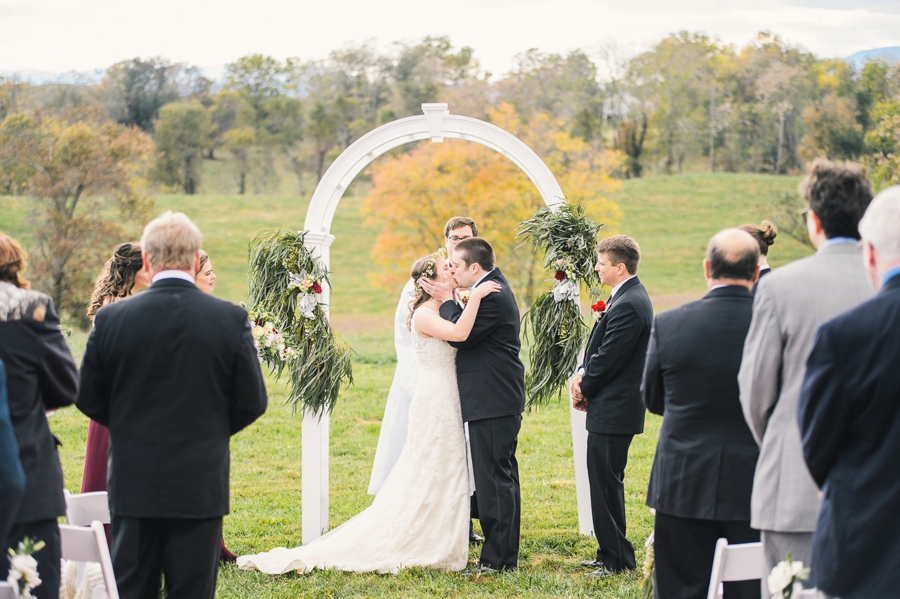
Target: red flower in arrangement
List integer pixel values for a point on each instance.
(316, 288)
(599, 307)
(560, 275)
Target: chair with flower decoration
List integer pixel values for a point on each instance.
(88, 544)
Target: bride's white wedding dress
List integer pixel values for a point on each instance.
(420, 517)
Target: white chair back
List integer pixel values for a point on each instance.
(735, 562)
(89, 545)
(83, 509)
(6, 591)
(808, 594)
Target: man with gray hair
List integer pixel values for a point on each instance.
(173, 373)
(850, 425)
(789, 306)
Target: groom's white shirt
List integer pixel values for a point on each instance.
(615, 289)
(482, 277)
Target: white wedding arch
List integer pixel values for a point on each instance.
(435, 124)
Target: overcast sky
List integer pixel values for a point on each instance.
(82, 35)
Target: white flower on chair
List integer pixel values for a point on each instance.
(784, 580)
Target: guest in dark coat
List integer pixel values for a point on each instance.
(608, 388)
(849, 418)
(173, 373)
(12, 477)
(764, 235)
(41, 376)
(705, 459)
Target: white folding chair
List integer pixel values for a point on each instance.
(82, 544)
(83, 509)
(6, 591)
(735, 562)
(808, 594)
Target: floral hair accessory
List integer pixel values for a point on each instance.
(429, 268)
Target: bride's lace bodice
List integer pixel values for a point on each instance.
(432, 353)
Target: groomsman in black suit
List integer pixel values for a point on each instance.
(173, 373)
(608, 388)
(849, 418)
(491, 381)
(706, 455)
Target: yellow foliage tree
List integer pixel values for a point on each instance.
(415, 193)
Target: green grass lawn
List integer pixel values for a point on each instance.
(672, 218)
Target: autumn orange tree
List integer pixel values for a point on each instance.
(414, 194)
(84, 177)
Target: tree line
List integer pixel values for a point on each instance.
(91, 153)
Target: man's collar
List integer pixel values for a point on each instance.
(618, 287)
(890, 274)
(173, 274)
(483, 277)
(834, 240)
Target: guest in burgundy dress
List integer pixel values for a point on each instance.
(122, 275)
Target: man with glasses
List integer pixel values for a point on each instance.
(790, 305)
(396, 410)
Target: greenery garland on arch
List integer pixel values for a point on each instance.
(568, 239)
(285, 286)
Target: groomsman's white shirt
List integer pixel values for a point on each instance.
(615, 289)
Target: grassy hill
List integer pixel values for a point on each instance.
(672, 218)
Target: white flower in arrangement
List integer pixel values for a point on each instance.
(257, 332)
(307, 305)
(784, 580)
(565, 290)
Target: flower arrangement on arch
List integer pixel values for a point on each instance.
(286, 285)
(23, 573)
(272, 347)
(567, 238)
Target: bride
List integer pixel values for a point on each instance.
(420, 516)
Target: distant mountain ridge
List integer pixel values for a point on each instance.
(891, 54)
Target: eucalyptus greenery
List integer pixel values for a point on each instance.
(322, 362)
(557, 329)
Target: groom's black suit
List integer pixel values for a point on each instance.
(173, 373)
(491, 381)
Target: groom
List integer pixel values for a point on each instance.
(492, 395)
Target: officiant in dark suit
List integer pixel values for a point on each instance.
(608, 388)
(173, 373)
(849, 418)
(491, 381)
(705, 459)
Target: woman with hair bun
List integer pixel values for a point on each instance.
(122, 276)
(764, 235)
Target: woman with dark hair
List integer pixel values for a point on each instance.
(41, 376)
(122, 276)
(764, 235)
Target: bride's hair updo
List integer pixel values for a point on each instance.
(423, 267)
(117, 278)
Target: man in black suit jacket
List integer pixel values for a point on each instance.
(608, 388)
(41, 376)
(173, 373)
(849, 416)
(706, 456)
(491, 381)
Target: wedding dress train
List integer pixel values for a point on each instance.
(420, 516)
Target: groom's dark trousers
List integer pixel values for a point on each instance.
(492, 395)
(173, 373)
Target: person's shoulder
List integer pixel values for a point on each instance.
(25, 304)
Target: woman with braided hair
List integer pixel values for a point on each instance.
(122, 276)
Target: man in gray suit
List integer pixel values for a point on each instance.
(790, 305)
